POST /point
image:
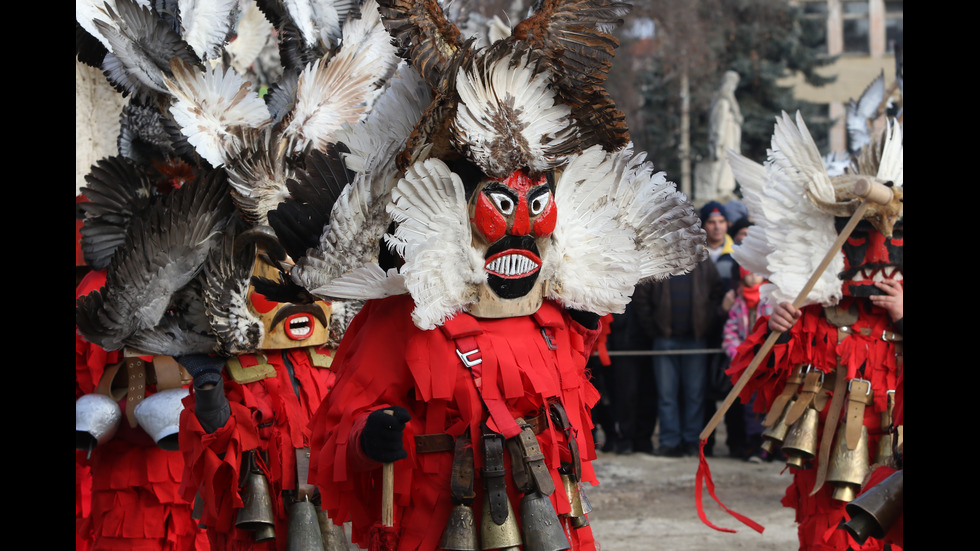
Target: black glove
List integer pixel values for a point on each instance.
(204, 368)
(210, 404)
(381, 438)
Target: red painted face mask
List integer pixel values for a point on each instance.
(510, 215)
(869, 256)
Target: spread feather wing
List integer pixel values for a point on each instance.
(349, 246)
(330, 94)
(207, 24)
(209, 104)
(442, 270)
(790, 235)
(508, 117)
(619, 223)
(225, 292)
(164, 252)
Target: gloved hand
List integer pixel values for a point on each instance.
(381, 439)
(210, 403)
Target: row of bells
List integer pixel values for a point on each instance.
(540, 528)
(847, 469)
(310, 529)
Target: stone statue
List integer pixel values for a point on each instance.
(714, 178)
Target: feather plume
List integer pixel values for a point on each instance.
(209, 104)
(359, 219)
(619, 223)
(791, 234)
(508, 118)
(207, 24)
(433, 232)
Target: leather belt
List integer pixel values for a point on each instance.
(444, 442)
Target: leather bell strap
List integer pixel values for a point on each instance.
(812, 384)
(461, 483)
(493, 476)
(830, 425)
(304, 490)
(496, 408)
(560, 418)
(789, 392)
(136, 377)
(858, 397)
(533, 460)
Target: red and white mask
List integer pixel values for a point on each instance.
(512, 220)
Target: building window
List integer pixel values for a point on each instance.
(856, 27)
(893, 24)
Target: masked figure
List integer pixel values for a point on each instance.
(494, 220)
(828, 386)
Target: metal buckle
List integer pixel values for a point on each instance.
(850, 382)
(465, 357)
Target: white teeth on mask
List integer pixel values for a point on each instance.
(300, 327)
(512, 265)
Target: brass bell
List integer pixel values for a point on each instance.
(800, 444)
(505, 536)
(304, 527)
(773, 436)
(460, 531)
(256, 515)
(577, 516)
(848, 468)
(540, 525)
(334, 538)
(874, 512)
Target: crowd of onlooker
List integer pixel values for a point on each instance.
(670, 349)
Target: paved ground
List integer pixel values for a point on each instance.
(647, 503)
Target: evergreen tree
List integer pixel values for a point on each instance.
(762, 40)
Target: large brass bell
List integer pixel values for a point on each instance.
(874, 512)
(773, 436)
(800, 444)
(848, 468)
(460, 531)
(540, 526)
(580, 507)
(304, 527)
(256, 516)
(333, 536)
(505, 536)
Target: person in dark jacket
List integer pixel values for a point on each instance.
(679, 314)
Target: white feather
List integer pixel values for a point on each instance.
(359, 219)
(508, 118)
(442, 269)
(791, 235)
(206, 24)
(340, 91)
(891, 167)
(209, 103)
(619, 223)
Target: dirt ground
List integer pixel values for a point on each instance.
(647, 503)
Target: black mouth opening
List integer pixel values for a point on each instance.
(512, 287)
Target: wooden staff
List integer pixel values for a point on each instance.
(869, 192)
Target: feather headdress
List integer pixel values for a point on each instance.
(533, 101)
(793, 202)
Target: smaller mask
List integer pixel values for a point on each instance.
(288, 325)
(869, 256)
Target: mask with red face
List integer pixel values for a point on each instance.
(870, 256)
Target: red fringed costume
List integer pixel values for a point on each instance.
(267, 415)
(865, 349)
(385, 360)
(126, 493)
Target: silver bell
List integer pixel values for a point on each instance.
(97, 417)
(159, 415)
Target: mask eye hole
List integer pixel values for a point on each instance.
(539, 202)
(504, 203)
